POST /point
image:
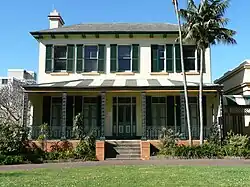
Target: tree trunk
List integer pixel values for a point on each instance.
(203, 50)
(183, 73)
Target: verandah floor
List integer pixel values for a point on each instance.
(140, 175)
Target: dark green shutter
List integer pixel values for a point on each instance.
(178, 110)
(101, 58)
(69, 111)
(78, 105)
(135, 58)
(148, 111)
(113, 58)
(204, 108)
(49, 58)
(154, 58)
(70, 58)
(178, 58)
(169, 58)
(46, 109)
(99, 110)
(170, 111)
(79, 59)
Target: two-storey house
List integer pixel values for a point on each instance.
(124, 77)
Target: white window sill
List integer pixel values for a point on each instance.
(91, 73)
(125, 73)
(191, 73)
(59, 73)
(159, 73)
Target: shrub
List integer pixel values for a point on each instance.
(86, 148)
(61, 146)
(11, 159)
(78, 126)
(236, 145)
(12, 136)
(60, 150)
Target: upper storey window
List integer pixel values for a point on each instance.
(59, 58)
(167, 58)
(4, 81)
(124, 58)
(91, 58)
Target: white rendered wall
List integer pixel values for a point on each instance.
(145, 60)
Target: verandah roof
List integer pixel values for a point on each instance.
(90, 84)
(235, 100)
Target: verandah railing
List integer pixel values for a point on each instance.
(153, 132)
(55, 132)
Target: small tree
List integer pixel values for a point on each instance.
(12, 103)
(78, 127)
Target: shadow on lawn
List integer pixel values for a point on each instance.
(13, 174)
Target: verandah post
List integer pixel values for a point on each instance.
(103, 109)
(183, 116)
(143, 115)
(64, 109)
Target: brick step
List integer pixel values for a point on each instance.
(131, 156)
(123, 158)
(128, 152)
(124, 142)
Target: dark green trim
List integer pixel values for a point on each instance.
(110, 88)
(105, 32)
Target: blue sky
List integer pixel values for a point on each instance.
(20, 50)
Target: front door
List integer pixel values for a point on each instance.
(124, 117)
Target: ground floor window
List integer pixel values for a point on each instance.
(124, 116)
(90, 107)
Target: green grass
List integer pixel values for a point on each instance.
(129, 176)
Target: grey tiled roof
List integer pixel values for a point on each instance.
(103, 83)
(115, 27)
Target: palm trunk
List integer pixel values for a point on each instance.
(200, 94)
(183, 73)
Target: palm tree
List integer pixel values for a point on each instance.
(205, 25)
(175, 3)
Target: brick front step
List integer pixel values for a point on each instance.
(123, 149)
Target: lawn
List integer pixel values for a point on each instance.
(129, 176)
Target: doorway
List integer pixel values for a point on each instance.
(124, 117)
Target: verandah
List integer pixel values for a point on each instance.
(112, 115)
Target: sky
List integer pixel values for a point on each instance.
(19, 50)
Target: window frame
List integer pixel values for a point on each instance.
(165, 57)
(53, 57)
(166, 110)
(131, 58)
(84, 58)
(4, 81)
(195, 58)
